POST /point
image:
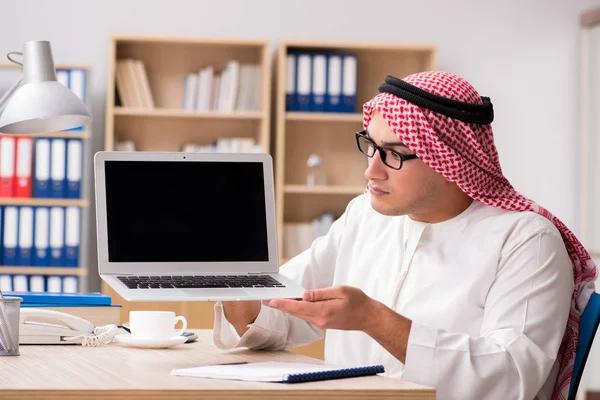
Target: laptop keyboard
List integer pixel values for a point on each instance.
(200, 282)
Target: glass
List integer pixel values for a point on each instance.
(390, 157)
(10, 311)
(315, 177)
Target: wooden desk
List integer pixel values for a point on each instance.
(118, 372)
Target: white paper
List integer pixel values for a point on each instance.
(259, 372)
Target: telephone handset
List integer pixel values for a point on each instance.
(38, 326)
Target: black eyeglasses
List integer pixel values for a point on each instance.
(390, 157)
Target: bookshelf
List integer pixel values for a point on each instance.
(299, 134)
(9, 72)
(166, 124)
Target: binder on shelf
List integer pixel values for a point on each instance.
(20, 283)
(77, 78)
(319, 82)
(62, 76)
(54, 284)
(57, 168)
(41, 254)
(303, 88)
(57, 229)
(37, 283)
(349, 71)
(10, 219)
(24, 166)
(70, 284)
(41, 186)
(290, 83)
(74, 168)
(7, 166)
(333, 98)
(25, 243)
(6, 283)
(72, 236)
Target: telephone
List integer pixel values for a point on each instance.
(38, 326)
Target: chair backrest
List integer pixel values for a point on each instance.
(588, 325)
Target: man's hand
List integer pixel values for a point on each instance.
(338, 307)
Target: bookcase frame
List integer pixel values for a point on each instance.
(331, 135)
(167, 126)
(81, 271)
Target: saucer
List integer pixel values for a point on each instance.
(146, 343)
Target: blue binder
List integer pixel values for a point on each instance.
(91, 299)
(41, 175)
(291, 83)
(25, 240)
(72, 237)
(74, 168)
(57, 236)
(319, 82)
(304, 81)
(58, 168)
(333, 98)
(10, 230)
(350, 73)
(41, 254)
(77, 84)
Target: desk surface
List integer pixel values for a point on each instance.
(116, 371)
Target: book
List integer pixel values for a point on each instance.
(97, 315)
(87, 299)
(272, 371)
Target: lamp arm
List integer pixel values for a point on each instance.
(9, 93)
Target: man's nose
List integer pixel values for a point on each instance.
(376, 169)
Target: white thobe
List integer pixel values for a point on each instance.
(488, 293)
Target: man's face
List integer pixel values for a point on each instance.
(414, 189)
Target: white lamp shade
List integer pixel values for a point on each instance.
(47, 106)
(41, 104)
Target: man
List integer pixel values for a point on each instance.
(441, 272)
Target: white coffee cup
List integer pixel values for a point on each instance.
(158, 325)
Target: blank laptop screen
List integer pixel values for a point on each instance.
(185, 211)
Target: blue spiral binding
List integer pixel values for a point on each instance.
(335, 374)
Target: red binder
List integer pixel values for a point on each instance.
(7, 166)
(23, 167)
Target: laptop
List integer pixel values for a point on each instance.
(188, 226)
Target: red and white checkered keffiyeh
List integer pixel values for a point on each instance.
(465, 154)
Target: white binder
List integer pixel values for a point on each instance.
(42, 237)
(25, 243)
(58, 168)
(57, 231)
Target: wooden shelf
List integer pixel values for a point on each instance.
(18, 201)
(174, 113)
(63, 134)
(26, 270)
(323, 117)
(345, 190)
(299, 135)
(167, 127)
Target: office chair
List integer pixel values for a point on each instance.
(588, 325)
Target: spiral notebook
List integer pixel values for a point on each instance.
(277, 372)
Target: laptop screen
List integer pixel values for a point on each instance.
(190, 211)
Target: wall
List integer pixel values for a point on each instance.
(523, 54)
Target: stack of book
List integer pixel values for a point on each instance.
(133, 86)
(93, 307)
(236, 88)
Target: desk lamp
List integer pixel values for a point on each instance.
(38, 102)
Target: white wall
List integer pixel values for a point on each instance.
(523, 54)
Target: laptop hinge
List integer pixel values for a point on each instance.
(256, 273)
